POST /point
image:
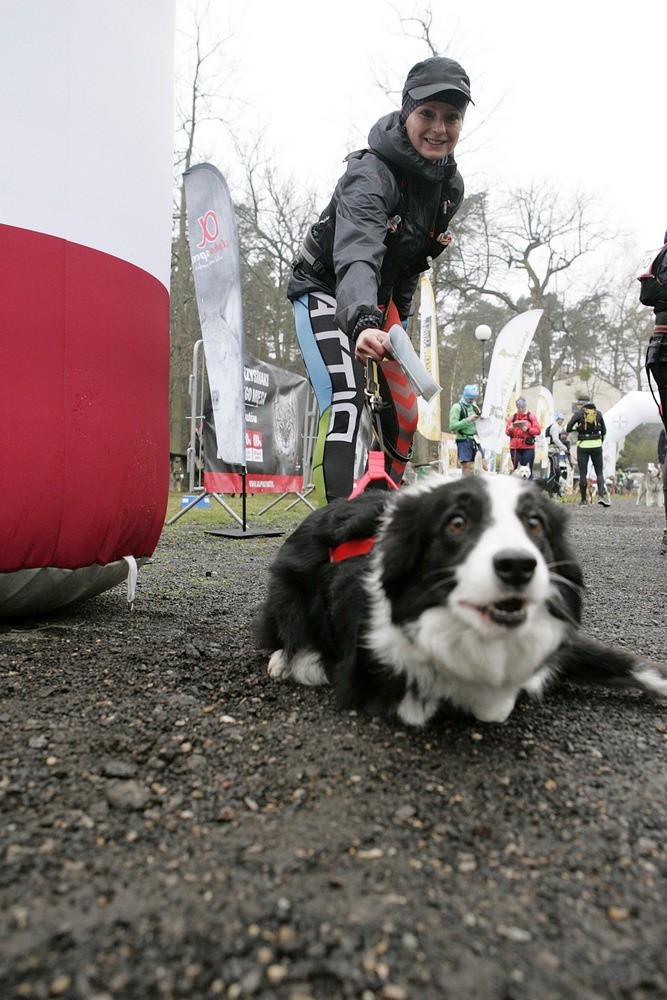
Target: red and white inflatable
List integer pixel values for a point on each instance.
(85, 234)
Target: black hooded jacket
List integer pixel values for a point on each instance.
(388, 215)
(653, 285)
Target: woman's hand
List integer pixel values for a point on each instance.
(372, 344)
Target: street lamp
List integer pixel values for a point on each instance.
(483, 333)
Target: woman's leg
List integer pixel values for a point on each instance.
(656, 369)
(596, 459)
(338, 383)
(582, 461)
(598, 465)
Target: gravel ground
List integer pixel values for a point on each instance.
(176, 825)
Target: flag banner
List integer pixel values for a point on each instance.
(429, 424)
(216, 267)
(275, 414)
(545, 413)
(511, 346)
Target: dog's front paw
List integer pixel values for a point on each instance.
(278, 666)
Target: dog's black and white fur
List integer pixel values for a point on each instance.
(469, 595)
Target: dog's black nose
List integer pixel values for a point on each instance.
(513, 567)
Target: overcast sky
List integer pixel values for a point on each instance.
(570, 92)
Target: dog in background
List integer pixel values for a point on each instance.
(480, 464)
(650, 487)
(449, 592)
(506, 464)
(521, 472)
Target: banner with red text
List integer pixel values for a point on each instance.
(216, 268)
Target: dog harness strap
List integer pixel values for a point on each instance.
(374, 472)
(357, 547)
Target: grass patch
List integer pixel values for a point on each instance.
(278, 516)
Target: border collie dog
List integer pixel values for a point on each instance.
(461, 592)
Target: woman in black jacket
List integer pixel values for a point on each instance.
(359, 265)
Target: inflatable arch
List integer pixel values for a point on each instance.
(633, 409)
(85, 234)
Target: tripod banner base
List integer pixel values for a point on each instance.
(245, 533)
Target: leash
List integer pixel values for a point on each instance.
(374, 404)
(373, 401)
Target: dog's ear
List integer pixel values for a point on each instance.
(402, 538)
(564, 568)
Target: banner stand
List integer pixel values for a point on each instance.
(200, 496)
(196, 385)
(216, 269)
(244, 531)
(309, 436)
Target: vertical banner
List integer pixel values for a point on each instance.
(545, 413)
(429, 424)
(511, 346)
(275, 415)
(216, 267)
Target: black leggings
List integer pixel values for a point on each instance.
(656, 369)
(343, 436)
(595, 455)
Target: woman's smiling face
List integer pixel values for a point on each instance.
(434, 128)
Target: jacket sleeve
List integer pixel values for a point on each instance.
(573, 421)
(456, 422)
(534, 427)
(603, 426)
(509, 427)
(403, 295)
(366, 195)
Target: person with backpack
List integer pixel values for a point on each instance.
(522, 429)
(591, 430)
(463, 423)
(358, 267)
(653, 293)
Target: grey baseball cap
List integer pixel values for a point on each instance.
(435, 75)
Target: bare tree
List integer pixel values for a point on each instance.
(629, 330)
(272, 222)
(200, 99)
(526, 253)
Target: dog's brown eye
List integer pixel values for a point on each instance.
(457, 524)
(535, 524)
